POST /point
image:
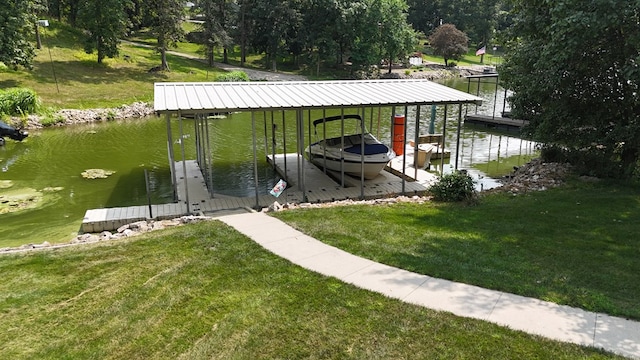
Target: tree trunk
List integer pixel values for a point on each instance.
(225, 55)
(163, 56)
(243, 38)
(210, 58)
(629, 159)
(162, 48)
(38, 41)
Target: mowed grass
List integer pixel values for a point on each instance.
(577, 245)
(83, 83)
(205, 291)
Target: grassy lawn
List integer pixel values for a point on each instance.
(83, 83)
(205, 291)
(577, 245)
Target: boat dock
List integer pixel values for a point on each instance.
(200, 202)
(319, 187)
(496, 122)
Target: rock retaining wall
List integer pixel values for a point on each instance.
(74, 116)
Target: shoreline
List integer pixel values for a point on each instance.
(66, 117)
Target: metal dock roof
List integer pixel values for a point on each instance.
(189, 98)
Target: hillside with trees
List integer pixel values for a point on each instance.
(306, 33)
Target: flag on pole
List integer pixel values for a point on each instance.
(481, 51)
(279, 188)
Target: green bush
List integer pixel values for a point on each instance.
(19, 101)
(457, 186)
(233, 76)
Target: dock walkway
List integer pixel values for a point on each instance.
(495, 121)
(319, 187)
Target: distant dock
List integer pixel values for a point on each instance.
(504, 123)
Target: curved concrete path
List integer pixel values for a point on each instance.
(533, 316)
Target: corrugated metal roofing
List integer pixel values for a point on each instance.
(246, 96)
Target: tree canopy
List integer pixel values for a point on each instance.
(573, 67)
(311, 32)
(165, 21)
(17, 27)
(449, 42)
(104, 22)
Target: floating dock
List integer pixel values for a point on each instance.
(200, 202)
(496, 122)
(319, 187)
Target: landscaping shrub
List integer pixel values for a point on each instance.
(457, 186)
(233, 76)
(18, 101)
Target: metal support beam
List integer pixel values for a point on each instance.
(184, 165)
(174, 181)
(255, 157)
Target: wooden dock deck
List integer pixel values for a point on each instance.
(200, 202)
(319, 187)
(496, 122)
(325, 187)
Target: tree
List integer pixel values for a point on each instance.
(381, 31)
(397, 36)
(476, 18)
(17, 29)
(67, 9)
(105, 22)
(273, 21)
(218, 15)
(573, 68)
(165, 19)
(449, 42)
(425, 16)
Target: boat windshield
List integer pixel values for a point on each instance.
(332, 127)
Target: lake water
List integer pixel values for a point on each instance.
(50, 162)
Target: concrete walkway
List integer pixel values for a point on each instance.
(533, 316)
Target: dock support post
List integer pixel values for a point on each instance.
(273, 142)
(209, 156)
(266, 137)
(432, 123)
(362, 130)
(255, 157)
(174, 181)
(184, 164)
(284, 145)
(146, 183)
(404, 153)
(495, 98)
(444, 135)
(300, 127)
(415, 143)
(342, 146)
(458, 135)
